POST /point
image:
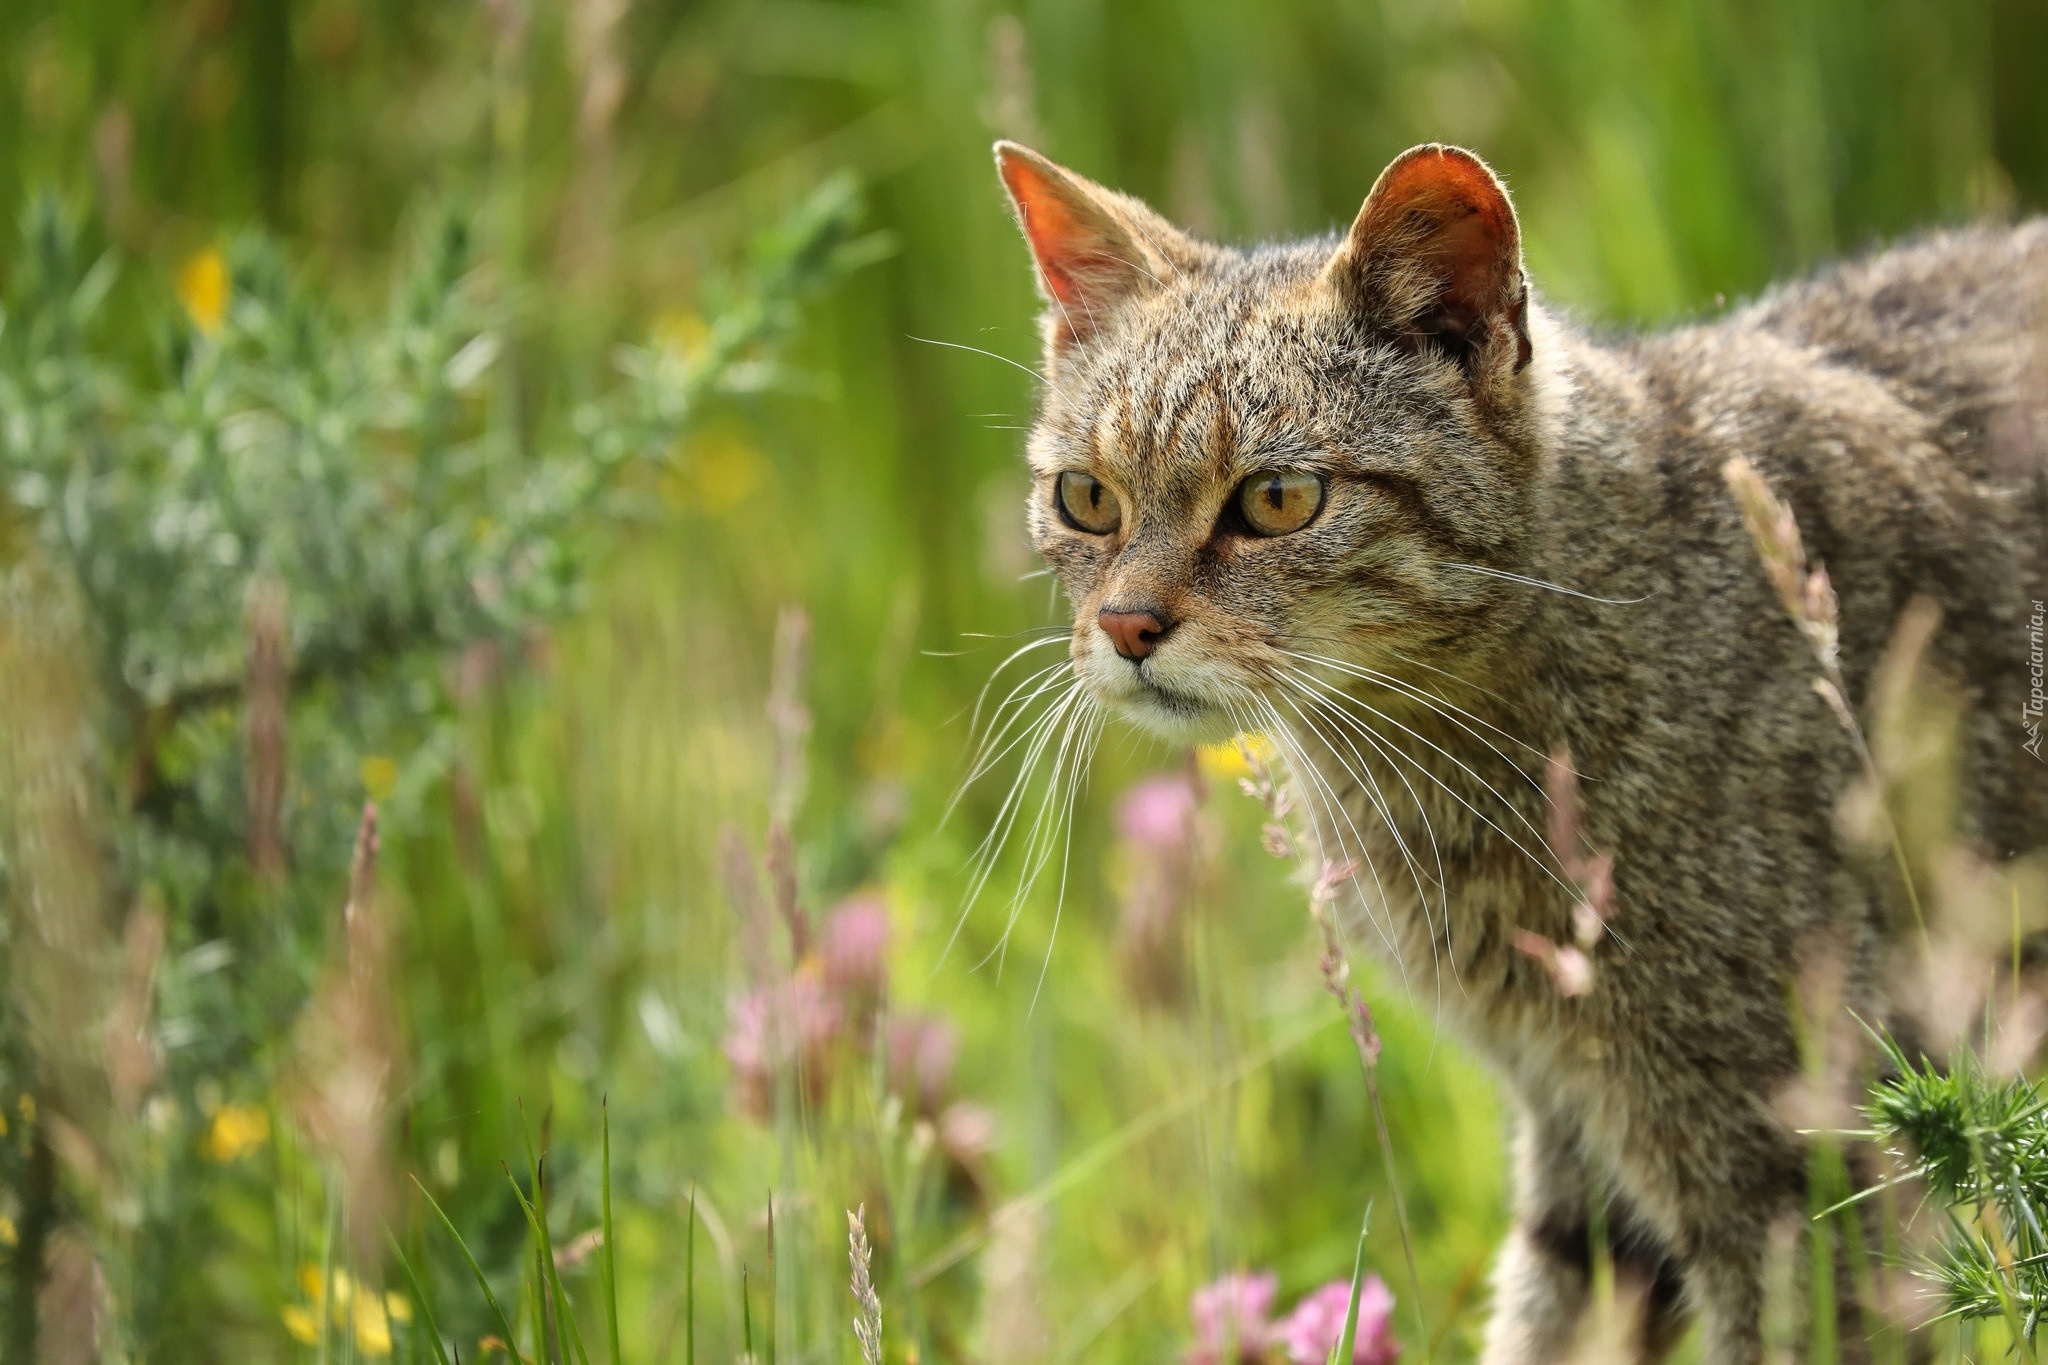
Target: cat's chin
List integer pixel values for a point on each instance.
(1177, 717)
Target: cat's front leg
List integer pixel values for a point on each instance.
(1540, 1281)
(1726, 1277)
(1721, 1172)
(1543, 1280)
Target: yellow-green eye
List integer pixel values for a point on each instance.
(1087, 503)
(1280, 500)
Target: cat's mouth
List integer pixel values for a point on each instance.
(1169, 711)
(1167, 698)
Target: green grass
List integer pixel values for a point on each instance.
(555, 783)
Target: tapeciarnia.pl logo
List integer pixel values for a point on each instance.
(2037, 689)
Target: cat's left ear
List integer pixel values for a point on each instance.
(1435, 259)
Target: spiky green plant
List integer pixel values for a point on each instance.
(1981, 1146)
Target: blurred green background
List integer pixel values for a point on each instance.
(554, 787)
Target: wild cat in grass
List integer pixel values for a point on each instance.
(1367, 495)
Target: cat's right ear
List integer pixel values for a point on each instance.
(1434, 259)
(1095, 249)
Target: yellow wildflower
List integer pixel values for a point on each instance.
(724, 468)
(301, 1323)
(316, 1289)
(1225, 762)
(380, 776)
(683, 333)
(237, 1130)
(203, 289)
(8, 1236)
(398, 1306)
(373, 1327)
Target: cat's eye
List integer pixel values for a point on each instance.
(1087, 503)
(1278, 501)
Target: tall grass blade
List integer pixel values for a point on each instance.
(419, 1298)
(546, 1318)
(551, 1284)
(325, 1307)
(482, 1283)
(690, 1282)
(746, 1315)
(611, 1265)
(1348, 1340)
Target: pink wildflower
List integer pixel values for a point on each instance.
(774, 1030)
(1157, 813)
(921, 1052)
(966, 1131)
(854, 949)
(1233, 1320)
(1316, 1325)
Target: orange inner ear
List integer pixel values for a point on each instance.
(1447, 188)
(1443, 208)
(1065, 247)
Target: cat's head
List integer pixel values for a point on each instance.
(1244, 457)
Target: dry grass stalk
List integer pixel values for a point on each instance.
(1570, 964)
(788, 717)
(348, 1054)
(268, 683)
(1809, 599)
(867, 1321)
(133, 1063)
(781, 865)
(1365, 1038)
(743, 893)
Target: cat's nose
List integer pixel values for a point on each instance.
(1134, 633)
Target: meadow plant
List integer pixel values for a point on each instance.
(1979, 1144)
(1314, 1330)
(1163, 847)
(1233, 1319)
(263, 563)
(1570, 964)
(867, 1322)
(1235, 1324)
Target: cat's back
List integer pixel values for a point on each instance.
(1953, 325)
(1903, 390)
(1899, 402)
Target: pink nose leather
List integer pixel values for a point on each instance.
(1134, 633)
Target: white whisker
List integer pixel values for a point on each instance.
(1448, 710)
(1370, 788)
(974, 726)
(1446, 788)
(1365, 853)
(1045, 827)
(1059, 905)
(962, 346)
(1539, 583)
(981, 863)
(1319, 790)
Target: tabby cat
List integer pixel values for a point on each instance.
(1367, 494)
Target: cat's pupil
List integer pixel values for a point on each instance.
(1274, 495)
